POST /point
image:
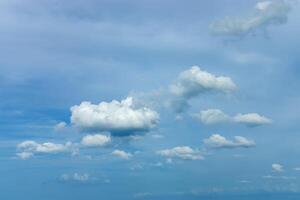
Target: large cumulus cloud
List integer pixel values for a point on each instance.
(119, 118)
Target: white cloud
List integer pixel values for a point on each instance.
(122, 154)
(194, 81)
(25, 155)
(120, 118)
(75, 177)
(96, 140)
(252, 119)
(29, 148)
(60, 126)
(181, 152)
(215, 116)
(266, 13)
(212, 116)
(218, 141)
(277, 167)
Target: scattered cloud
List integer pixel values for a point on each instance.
(96, 140)
(119, 118)
(194, 81)
(266, 13)
(212, 116)
(277, 167)
(218, 141)
(29, 148)
(181, 152)
(75, 177)
(122, 154)
(60, 126)
(216, 116)
(252, 119)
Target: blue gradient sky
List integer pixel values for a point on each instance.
(57, 54)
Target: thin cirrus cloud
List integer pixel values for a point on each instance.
(29, 148)
(96, 140)
(216, 116)
(122, 154)
(265, 13)
(181, 152)
(218, 141)
(193, 82)
(119, 118)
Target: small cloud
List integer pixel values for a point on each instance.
(119, 118)
(216, 116)
(25, 155)
(181, 152)
(122, 154)
(60, 126)
(97, 140)
(279, 177)
(265, 13)
(28, 148)
(218, 141)
(277, 167)
(75, 177)
(252, 119)
(212, 116)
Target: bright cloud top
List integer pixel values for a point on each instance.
(116, 117)
(29, 148)
(96, 140)
(218, 141)
(194, 81)
(215, 116)
(181, 152)
(266, 13)
(122, 154)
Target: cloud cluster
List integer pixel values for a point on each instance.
(266, 13)
(122, 154)
(181, 152)
(194, 81)
(96, 140)
(28, 148)
(119, 118)
(215, 116)
(218, 141)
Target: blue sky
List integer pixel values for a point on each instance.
(111, 99)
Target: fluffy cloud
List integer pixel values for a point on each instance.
(215, 116)
(218, 141)
(194, 81)
(119, 118)
(29, 148)
(181, 152)
(266, 13)
(252, 119)
(96, 140)
(122, 154)
(75, 177)
(277, 167)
